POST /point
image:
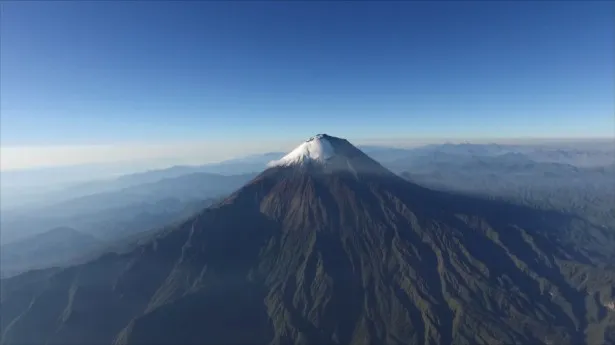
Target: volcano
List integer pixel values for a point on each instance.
(326, 246)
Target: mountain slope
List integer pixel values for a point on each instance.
(333, 250)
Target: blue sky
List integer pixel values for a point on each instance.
(116, 72)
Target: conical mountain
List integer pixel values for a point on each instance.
(327, 246)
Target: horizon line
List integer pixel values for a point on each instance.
(183, 153)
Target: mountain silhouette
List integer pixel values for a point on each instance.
(328, 247)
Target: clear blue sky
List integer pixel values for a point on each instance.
(123, 71)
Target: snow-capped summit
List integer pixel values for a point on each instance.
(326, 154)
(317, 149)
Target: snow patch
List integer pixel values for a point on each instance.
(316, 149)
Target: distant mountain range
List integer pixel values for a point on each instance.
(590, 154)
(328, 246)
(54, 247)
(122, 210)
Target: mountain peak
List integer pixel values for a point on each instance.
(324, 153)
(317, 149)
